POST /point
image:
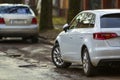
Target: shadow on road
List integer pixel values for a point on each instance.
(101, 72)
(14, 41)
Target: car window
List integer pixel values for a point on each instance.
(87, 21)
(110, 21)
(83, 20)
(14, 10)
(75, 21)
(73, 24)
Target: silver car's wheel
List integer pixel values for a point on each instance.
(85, 62)
(0, 37)
(88, 68)
(56, 58)
(34, 39)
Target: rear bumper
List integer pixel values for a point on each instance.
(110, 62)
(105, 55)
(26, 32)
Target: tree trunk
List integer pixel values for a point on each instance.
(74, 9)
(1, 1)
(46, 15)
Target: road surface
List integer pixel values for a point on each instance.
(22, 60)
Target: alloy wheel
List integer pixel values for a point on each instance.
(85, 62)
(57, 56)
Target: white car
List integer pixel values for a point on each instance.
(91, 39)
(18, 20)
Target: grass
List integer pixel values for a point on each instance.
(59, 20)
(56, 20)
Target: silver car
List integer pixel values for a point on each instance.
(92, 39)
(18, 20)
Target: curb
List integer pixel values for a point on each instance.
(45, 40)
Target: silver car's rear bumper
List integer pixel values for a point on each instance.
(19, 32)
(101, 55)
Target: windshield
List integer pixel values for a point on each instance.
(14, 10)
(110, 21)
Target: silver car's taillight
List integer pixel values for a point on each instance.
(34, 21)
(2, 21)
(104, 35)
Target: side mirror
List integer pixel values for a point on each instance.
(65, 27)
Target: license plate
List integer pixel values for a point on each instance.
(18, 21)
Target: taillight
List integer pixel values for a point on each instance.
(2, 21)
(104, 36)
(34, 21)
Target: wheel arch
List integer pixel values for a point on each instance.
(65, 64)
(56, 42)
(87, 43)
(88, 67)
(89, 54)
(82, 48)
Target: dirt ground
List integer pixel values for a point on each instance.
(38, 64)
(49, 34)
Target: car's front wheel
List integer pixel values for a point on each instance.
(56, 58)
(88, 68)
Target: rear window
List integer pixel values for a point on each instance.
(14, 10)
(110, 21)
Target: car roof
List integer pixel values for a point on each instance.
(14, 5)
(103, 11)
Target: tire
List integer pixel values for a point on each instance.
(34, 39)
(24, 39)
(0, 37)
(56, 58)
(88, 68)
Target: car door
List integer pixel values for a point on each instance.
(79, 31)
(72, 41)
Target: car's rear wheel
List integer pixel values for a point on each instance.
(24, 38)
(1, 37)
(56, 58)
(88, 68)
(34, 39)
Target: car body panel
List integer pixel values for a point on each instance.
(18, 24)
(72, 41)
(17, 19)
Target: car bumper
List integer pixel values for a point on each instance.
(101, 55)
(19, 32)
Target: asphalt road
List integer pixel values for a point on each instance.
(22, 60)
